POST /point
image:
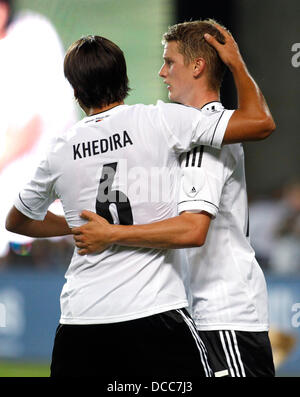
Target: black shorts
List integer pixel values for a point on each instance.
(163, 344)
(239, 353)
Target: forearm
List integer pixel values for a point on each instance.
(184, 231)
(252, 120)
(250, 98)
(52, 226)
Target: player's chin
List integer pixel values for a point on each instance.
(171, 96)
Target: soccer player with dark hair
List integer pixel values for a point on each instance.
(227, 286)
(123, 311)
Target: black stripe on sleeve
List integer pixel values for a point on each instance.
(200, 156)
(212, 139)
(194, 157)
(191, 157)
(187, 159)
(205, 201)
(23, 202)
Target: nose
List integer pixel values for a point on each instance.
(162, 71)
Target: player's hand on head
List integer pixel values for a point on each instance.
(229, 51)
(93, 236)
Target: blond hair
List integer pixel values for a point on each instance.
(192, 45)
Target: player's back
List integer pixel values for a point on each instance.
(119, 164)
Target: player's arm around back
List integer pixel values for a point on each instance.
(252, 120)
(183, 231)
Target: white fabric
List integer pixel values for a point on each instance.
(32, 85)
(228, 287)
(142, 143)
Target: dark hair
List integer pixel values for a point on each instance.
(191, 44)
(96, 69)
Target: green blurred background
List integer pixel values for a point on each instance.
(135, 25)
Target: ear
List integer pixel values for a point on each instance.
(199, 65)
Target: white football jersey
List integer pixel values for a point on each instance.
(227, 286)
(122, 164)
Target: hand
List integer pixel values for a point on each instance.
(92, 236)
(228, 52)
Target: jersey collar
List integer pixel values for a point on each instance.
(211, 107)
(105, 113)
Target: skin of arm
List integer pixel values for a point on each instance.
(53, 225)
(252, 120)
(183, 231)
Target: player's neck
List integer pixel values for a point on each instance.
(95, 110)
(202, 96)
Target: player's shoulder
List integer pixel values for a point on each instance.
(171, 109)
(216, 107)
(154, 106)
(65, 137)
(176, 107)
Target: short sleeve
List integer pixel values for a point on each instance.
(186, 127)
(36, 197)
(203, 175)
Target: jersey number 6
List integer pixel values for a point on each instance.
(106, 196)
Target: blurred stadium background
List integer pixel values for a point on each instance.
(269, 38)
